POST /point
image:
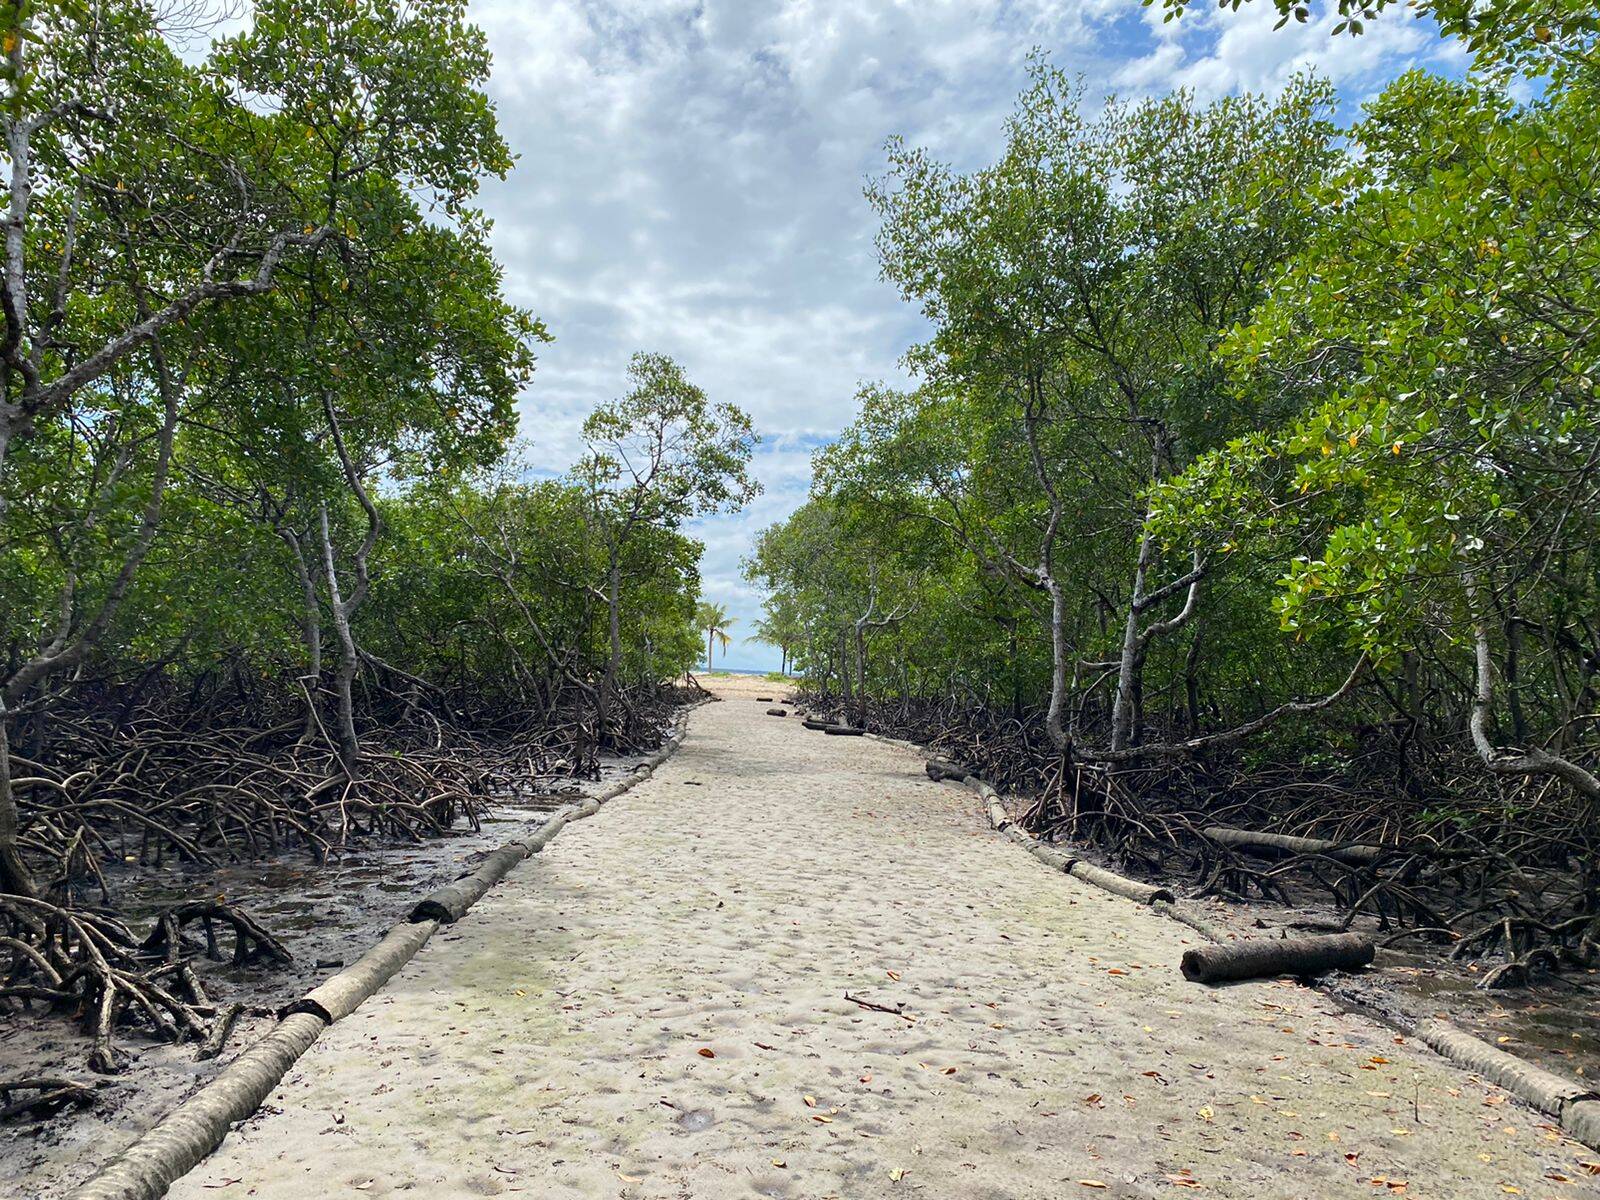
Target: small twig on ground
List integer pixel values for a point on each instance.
(897, 1011)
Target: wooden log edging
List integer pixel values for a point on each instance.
(1051, 856)
(1574, 1105)
(146, 1169)
(182, 1139)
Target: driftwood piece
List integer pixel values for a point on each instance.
(337, 997)
(196, 1127)
(765, 699)
(1252, 958)
(939, 770)
(777, 712)
(816, 723)
(1282, 843)
(842, 731)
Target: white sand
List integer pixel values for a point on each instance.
(552, 1042)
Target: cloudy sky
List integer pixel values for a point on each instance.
(690, 181)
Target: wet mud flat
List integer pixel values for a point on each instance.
(327, 913)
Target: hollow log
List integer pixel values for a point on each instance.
(1249, 839)
(337, 997)
(1252, 958)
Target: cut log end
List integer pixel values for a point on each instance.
(1253, 958)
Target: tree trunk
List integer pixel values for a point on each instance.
(861, 677)
(310, 631)
(608, 681)
(349, 659)
(15, 878)
(1053, 723)
(1122, 706)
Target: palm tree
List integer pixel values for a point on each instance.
(716, 621)
(777, 630)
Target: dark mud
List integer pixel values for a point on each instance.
(327, 913)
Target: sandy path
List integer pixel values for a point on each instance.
(554, 1042)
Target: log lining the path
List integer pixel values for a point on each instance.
(1574, 1105)
(185, 1136)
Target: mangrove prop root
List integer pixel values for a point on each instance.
(1449, 872)
(220, 1029)
(41, 1096)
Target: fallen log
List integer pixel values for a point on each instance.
(337, 997)
(196, 1127)
(52, 1093)
(842, 730)
(777, 712)
(1250, 839)
(940, 770)
(1544, 1089)
(451, 902)
(1110, 881)
(764, 699)
(1252, 958)
(814, 723)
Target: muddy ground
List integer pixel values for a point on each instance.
(327, 914)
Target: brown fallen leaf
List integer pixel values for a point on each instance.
(1090, 1183)
(810, 1101)
(706, 1052)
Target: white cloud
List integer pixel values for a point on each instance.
(690, 176)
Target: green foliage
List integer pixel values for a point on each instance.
(1220, 402)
